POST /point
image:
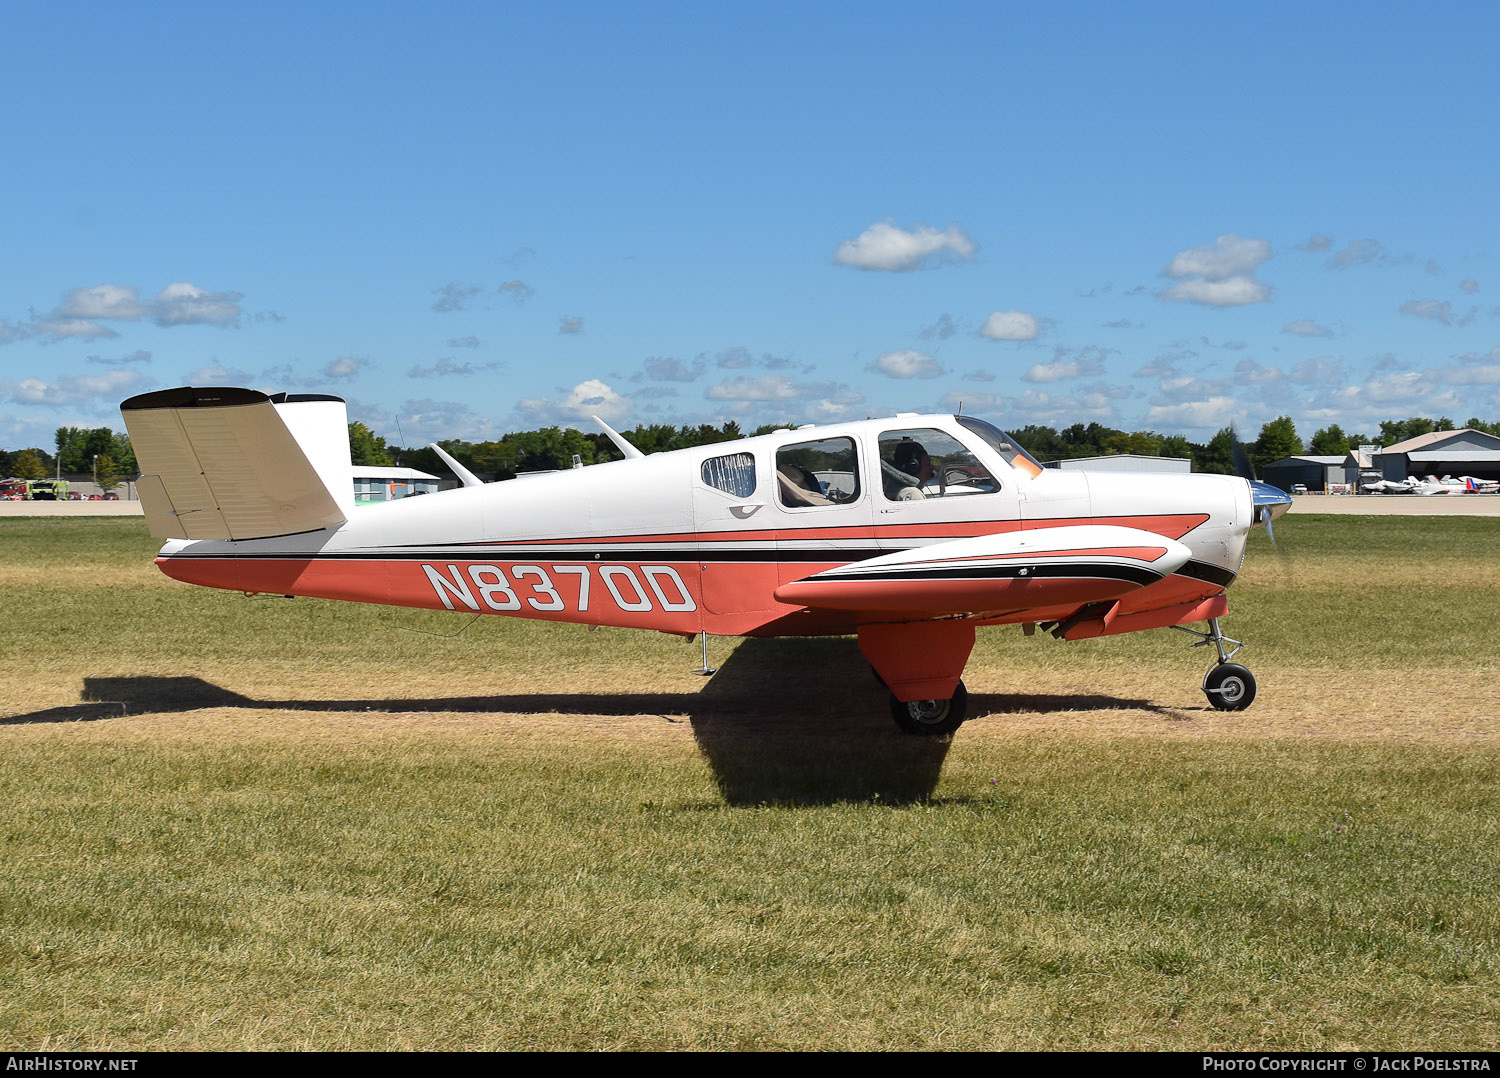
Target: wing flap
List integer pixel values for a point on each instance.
(222, 464)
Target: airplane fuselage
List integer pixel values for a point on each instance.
(720, 539)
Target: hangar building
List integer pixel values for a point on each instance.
(1313, 472)
(388, 483)
(1123, 462)
(1443, 452)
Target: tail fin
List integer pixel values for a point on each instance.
(226, 463)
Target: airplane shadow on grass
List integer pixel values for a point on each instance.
(783, 721)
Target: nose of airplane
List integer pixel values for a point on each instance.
(1270, 502)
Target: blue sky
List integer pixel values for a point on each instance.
(482, 217)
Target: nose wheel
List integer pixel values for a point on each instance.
(1228, 685)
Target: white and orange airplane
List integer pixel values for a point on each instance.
(909, 532)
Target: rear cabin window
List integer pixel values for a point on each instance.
(734, 474)
(927, 463)
(824, 472)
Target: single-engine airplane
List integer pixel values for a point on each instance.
(909, 532)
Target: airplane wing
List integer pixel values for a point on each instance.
(225, 464)
(915, 610)
(1041, 568)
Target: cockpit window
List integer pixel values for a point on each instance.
(1002, 443)
(824, 472)
(926, 463)
(734, 474)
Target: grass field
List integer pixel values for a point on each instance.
(255, 823)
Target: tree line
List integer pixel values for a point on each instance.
(108, 454)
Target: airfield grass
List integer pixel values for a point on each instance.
(255, 823)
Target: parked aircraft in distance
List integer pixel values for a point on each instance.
(909, 532)
(1429, 484)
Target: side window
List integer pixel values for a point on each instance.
(734, 474)
(825, 472)
(927, 463)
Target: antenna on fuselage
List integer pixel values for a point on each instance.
(630, 451)
(466, 477)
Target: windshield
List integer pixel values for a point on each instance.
(1002, 443)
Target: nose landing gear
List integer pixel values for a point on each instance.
(1228, 685)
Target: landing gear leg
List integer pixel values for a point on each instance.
(1228, 686)
(705, 670)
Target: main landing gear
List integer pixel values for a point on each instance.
(1228, 686)
(932, 717)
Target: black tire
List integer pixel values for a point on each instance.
(1229, 687)
(932, 718)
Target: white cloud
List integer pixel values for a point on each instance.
(1470, 286)
(883, 246)
(1399, 388)
(10, 332)
(771, 387)
(452, 296)
(570, 324)
(1437, 310)
(217, 374)
(140, 355)
(1356, 253)
(519, 291)
(73, 389)
(736, 358)
(1213, 412)
(102, 301)
(1316, 243)
(1009, 326)
(62, 329)
(428, 420)
(585, 399)
(907, 363)
(1475, 369)
(1232, 292)
(1219, 274)
(447, 367)
(463, 342)
(1249, 372)
(942, 329)
(344, 368)
(184, 304)
(1320, 370)
(1095, 401)
(1164, 366)
(1186, 388)
(26, 430)
(668, 369)
(830, 409)
(1307, 328)
(1059, 369)
(974, 401)
(1228, 256)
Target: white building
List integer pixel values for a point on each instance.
(387, 483)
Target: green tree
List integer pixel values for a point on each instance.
(1330, 441)
(1175, 445)
(1399, 430)
(1218, 455)
(1278, 439)
(28, 465)
(366, 449)
(106, 472)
